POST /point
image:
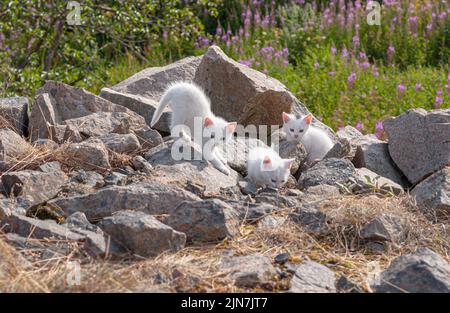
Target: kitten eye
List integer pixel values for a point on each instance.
(292, 130)
(273, 180)
(301, 130)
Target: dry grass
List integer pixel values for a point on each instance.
(196, 268)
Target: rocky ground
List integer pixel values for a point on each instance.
(91, 199)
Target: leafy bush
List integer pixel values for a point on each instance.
(38, 44)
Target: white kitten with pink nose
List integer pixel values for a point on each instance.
(315, 140)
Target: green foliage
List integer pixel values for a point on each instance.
(38, 44)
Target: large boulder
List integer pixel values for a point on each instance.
(150, 198)
(34, 186)
(433, 194)
(12, 148)
(204, 221)
(141, 233)
(142, 91)
(419, 141)
(14, 113)
(58, 104)
(423, 271)
(248, 96)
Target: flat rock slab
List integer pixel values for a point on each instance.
(419, 141)
(142, 234)
(39, 229)
(423, 271)
(312, 277)
(151, 198)
(185, 173)
(249, 271)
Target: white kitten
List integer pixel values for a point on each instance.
(266, 168)
(189, 102)
(315, 140)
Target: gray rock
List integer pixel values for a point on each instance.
(148, 138)
(103, 123)
(204, 221)
(39, 229)
(14, 111)
(115, 178)
(71, 102)
(271, 222)
(142, 91)
(48, 167)
(368, 179)
(252, 212)
(432, 195)
(249, 97)
(289, 149)
(345, 285)
(247, 187)
(185, 172)
(423, 271)
(12, 148)
(312, 277)
(419, 142)
(327, 172)
(121, 143)
(321, 192)
(236, 152)
(89, 155)
(151, 198)
(341, 149)
(385, 227)
(89, 178)
(373, 154)
(352, 136)
(310, 218)
(249, 271)
(142, 234)
(34, 186)
(43, 115)
(79, 221)
(141, 164)
(47, 143)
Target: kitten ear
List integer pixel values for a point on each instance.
(208, 122)
(308, 119)
(286, 117)
(288, 162)
(231, 127)
(267, 161)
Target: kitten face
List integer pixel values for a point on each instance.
(275, 172)
(294, 127)
(218, 129)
